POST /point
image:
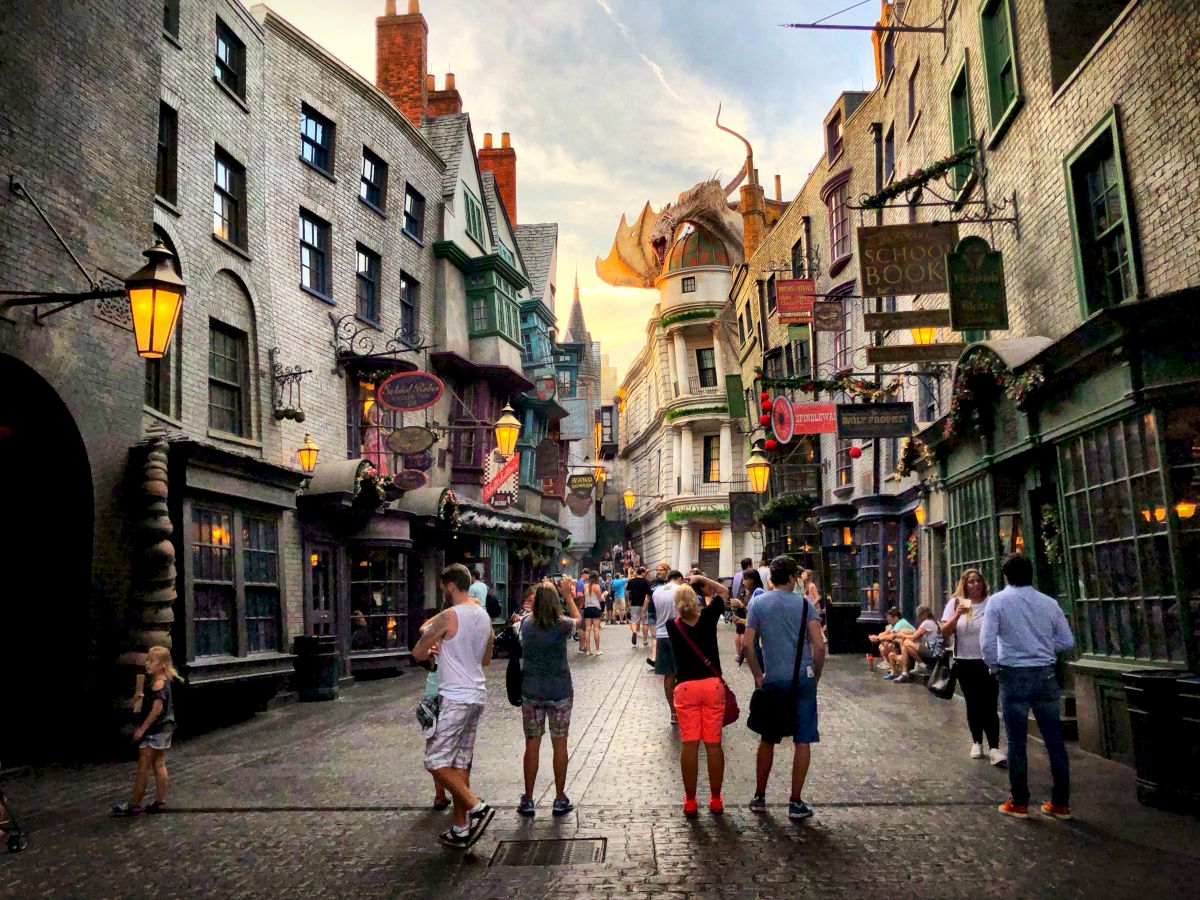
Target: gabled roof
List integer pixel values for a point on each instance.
(447, 135)
(537, 249)
(491, 201)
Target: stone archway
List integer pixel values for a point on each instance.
(45, 567)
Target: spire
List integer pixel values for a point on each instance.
(576, 328)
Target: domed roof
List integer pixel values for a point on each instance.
(696, 248)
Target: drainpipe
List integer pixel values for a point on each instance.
(877, 340)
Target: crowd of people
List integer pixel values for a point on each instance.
(1005, 646)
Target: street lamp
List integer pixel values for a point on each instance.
(923, 335)
(919, 512)
(507, 429)
(155, 298)
(600, 473)
(758, 469)
(307, 452)
(630, 498)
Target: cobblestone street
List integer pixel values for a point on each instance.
(330, 799)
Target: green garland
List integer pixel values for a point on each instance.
(921, 176)
(694, 411)
(687, 513)
(985, 374)
(786, 506)
(1051, 534)
(913, 451)
(856, 387)
(686, 315)
(912, 548)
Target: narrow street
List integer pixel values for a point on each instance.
(329, 799)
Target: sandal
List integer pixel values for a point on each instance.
(158, 806)
(126, 811)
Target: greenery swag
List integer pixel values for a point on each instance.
(977, 380)
(1051, 534)
(920, 177)
(687, 513)
(686, 315)
(786, 507)
(695, 411)
(855, 387)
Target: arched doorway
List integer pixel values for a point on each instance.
(45, 564)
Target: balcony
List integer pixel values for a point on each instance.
(702, 488)
(700, 385)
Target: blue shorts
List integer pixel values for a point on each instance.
(160, 741)
(806, 713)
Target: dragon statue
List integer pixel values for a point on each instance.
(638, 250)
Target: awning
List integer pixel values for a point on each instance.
(335, 477)
(508, 523)
(502, 376)
(1012, 352)
(430, 502)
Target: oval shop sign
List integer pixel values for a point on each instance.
(409, 391)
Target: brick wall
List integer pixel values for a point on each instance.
(502, 163)
(401, 51)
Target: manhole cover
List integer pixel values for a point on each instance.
(566, 852)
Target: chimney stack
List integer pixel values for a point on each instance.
(502, 163)
(779, 188)
(445, 101)
(753, 207)
(401, 51)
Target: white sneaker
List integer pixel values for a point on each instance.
(597, 653)
(977, 751)
(997, 758)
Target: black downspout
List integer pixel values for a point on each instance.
(877, 340)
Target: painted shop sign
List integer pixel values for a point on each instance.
(794, 300)
(410, 391)
(501, 479)
(977, 298)
(410, 439)
(545, 384)
(783, 420)
(890, 354)
(581, 485)
(410, 479)
(874, 420)
(546, 459)
(814, 418)
(905, 259)
(742, 507)
(829, 315)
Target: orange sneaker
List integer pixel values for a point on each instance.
(1056, 812)
(1009, 808)
(716, 805)
(689, 807)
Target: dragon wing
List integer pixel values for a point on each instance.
(632, 261)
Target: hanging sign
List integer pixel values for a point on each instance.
(581, 484)
(829, 315)
(546, 459)
(422, 461)
(977, 297)
(545, 384)
(410, 479)
(579, 506)
(410, 439)
(905, 259)
(742, 507)
(794, 300)
(783, 419)
(814, 418)
(856, 421)
(410, 391)
(890, 354)
(501, 479)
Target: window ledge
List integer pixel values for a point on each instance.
(887, 82)
(167, 205)
(233, 438)
(161, 416)
(233, 248)
(1005, 120)
(912, 126)
(173, 40)
(240, 101)
(832, 159)
(840, 263)
(378, 210)
(329, 176)
(371, 322)
(964, 193)
(1106, 665)
(325, 298)
(412, 237)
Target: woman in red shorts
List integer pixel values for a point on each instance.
(699, 690)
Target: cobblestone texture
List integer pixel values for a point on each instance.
(330, 800)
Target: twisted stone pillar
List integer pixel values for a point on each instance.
(152, 613)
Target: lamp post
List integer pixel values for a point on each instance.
(307, 453)
(758, 468)
(507, 429)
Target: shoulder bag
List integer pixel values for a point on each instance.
(773, 713)
(943, 677)
(731, 705)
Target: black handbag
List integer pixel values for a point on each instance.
(943, 678)
(773, 713)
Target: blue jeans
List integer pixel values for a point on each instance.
(1036, 688)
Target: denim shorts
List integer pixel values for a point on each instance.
(806, 713)
(160, 741)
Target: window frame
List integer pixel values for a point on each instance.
(323, 248)
(410, 299)
(889, 154)
(170, 23)
(166, 169)
(232, 197)
(241, 340)
(315, 151)
(474, 216)
(378, 183)
(395, 585)
(799, 259)
(1108, 128)
(414, 200)
(999, 118)
(962, 173)
(367, 280)
(701, 368)
(710, 459)
(913, 110)
(232, 69)
(834, 134)
(772, 294)
(687, 284)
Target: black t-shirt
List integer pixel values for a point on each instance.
(689, 666)
(166, 719)
(637, 590)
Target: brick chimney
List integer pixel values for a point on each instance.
(444, 102)
(502, 163)
(401, 50)
(753, 207)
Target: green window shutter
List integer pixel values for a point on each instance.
(734, 396)
(960, 122)
(999, 60)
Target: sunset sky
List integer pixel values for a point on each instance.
(611, 103)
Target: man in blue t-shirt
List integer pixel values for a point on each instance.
(616, 591)
(775, 618)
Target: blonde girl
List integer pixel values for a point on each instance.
(153, 735)
(593, 607)
(963, 622)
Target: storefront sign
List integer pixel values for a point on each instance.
(546, 459)
(794, 300)
(742, 507)
(545, 384)
(579, 506)
(814, 418)
(904, 319)
(874, 420)
(798, 332)
(410, 479)
(422, 461)
(913, 353)
(977, 297)
(581, 485)
(783, 420)
(410, 439)
(501, 479)
(829, 315)
(905, 259)
(410, 391)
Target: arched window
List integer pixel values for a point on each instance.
(232, 352)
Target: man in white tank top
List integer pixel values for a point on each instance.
(463, 635)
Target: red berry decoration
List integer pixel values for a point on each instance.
(855, 452)
(766, 406)
(764, 396)
(764, 420)
(809, 387)
(771, 444)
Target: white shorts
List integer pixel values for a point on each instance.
(453, 743)
(635, 615)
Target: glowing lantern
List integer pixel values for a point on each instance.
(507, 429)
(758, 469)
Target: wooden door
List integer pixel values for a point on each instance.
(321, 610)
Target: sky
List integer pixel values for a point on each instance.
(611, 103)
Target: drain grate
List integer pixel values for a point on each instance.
(559, 852)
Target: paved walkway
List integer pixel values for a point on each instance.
(329, 799)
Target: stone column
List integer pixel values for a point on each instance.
(672, 554)
(682, 368)
(750, 547)
(725, 567)
(684, 562)
(718, 356)
(676, 456)
(687, 463)
(726, 454)
(674, 377)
